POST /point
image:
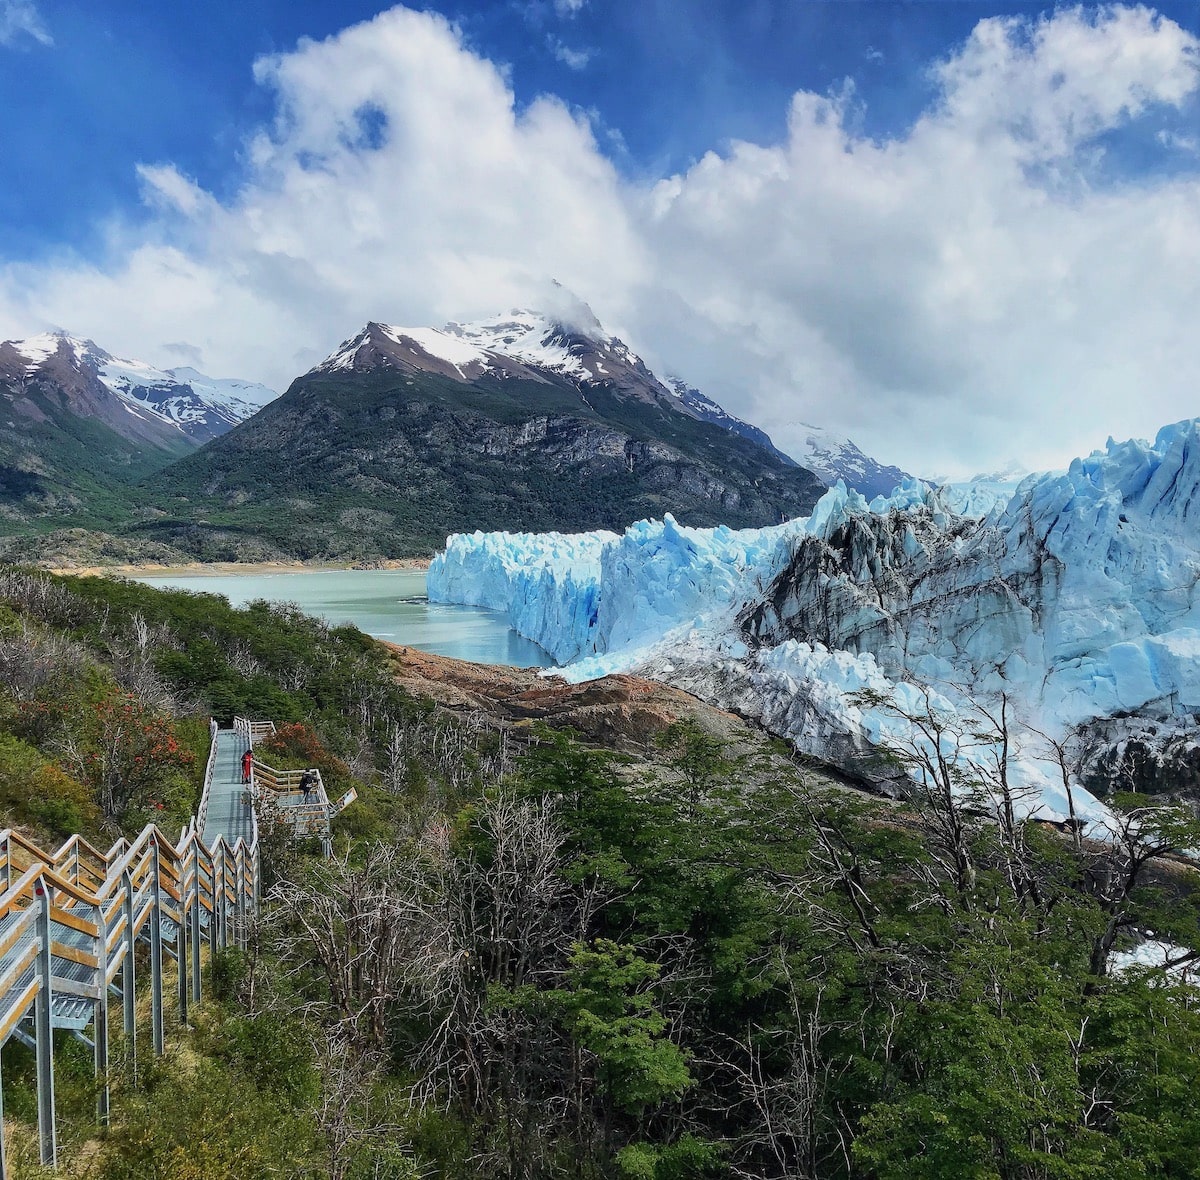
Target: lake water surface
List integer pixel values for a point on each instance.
(389, 604)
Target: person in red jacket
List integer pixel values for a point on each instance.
(246, 758)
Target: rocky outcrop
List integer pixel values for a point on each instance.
(616, 712)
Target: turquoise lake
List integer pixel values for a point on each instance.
(389, 604)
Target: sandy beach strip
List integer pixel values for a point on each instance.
(203, 569)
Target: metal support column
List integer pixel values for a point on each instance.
(197, 912)
(256, 873)
(156, 962)
(128, 979)
(44, 1032)
(216, 916)
(100, 1022)
(181, 952)
(239, 894)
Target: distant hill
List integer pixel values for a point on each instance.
(80, 428)
(404, 435)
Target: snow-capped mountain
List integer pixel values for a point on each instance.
(1077, 601)
(707, 410)
(528, 420)
(833, 457)
(528, 345)
(203, 406)
(534, 345)
(191, 404)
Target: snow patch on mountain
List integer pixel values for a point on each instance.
(1078, 599)
(834, 456)
(527, 336)
(39, 349)
(199, 405)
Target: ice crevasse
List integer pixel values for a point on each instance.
(1077, 597)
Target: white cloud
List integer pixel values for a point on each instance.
(568, 8)
(166, 188)
(1181, 143)
(965, 292)
(464, 206)
(574, 59)
(19, 19)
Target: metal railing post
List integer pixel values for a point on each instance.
(256, 880)
(181, 951)
(216, 927)
(128, 979)
(239, 893)
(100, 1021)
(44, 1032)
(197, 911)
(156, 963)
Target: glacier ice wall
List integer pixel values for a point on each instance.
(1078, 598)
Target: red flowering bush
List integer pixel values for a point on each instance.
(298, 742)
(296, 747)
(131, 756)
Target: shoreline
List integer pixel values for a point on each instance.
(212, 569)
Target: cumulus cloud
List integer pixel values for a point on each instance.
(397, 182)
(19, 19)
(969, 290)
(975, 288)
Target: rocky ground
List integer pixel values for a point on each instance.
(622, 713)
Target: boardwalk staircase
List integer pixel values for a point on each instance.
(71, 920)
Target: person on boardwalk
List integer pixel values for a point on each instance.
(308, 781)
(247, 757)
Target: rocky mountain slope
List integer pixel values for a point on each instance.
(404, 435)
(79, 427)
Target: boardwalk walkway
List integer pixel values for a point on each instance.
(230, 813)
(70, 920)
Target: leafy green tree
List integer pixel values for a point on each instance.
(609, 1005)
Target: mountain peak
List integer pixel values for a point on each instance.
(177, 400)
(38, 350)
(464, 351)
(834, 456)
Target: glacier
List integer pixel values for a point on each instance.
(1075, 599)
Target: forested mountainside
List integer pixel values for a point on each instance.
(530, 958)
(405, 435)
(71, 448)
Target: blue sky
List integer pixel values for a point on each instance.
(124, 83)
(141, 140)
